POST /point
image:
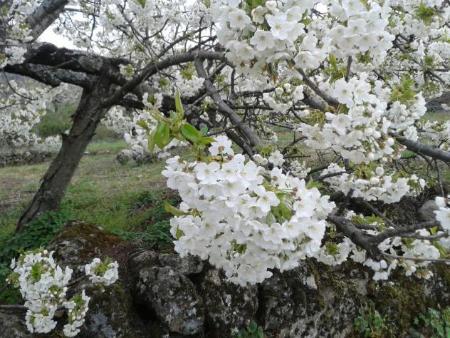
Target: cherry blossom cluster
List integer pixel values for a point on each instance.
(13, 48)
(269, 33)
(359, 131)
(44, 286)
(438, 132)
(243, 218)
(188, 86)
(344, 36)
(443, 213)
(412, 255)
(411, 252)
(22, 109)
(284, 97)
(76, 307)
(133, 28)
(373, 184)
(104, 273)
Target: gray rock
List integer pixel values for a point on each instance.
(172, 297)
(124, 156)
(140, 260)
(20, 157)
(228, 307)
(12, 325)
(112, 313)
(426, 211)
(277, 306)
(189, 265)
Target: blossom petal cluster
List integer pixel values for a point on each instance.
(104, 273)
(136, 129)
(43, 285)
(243, 218)
(413, 256)
(373, 185)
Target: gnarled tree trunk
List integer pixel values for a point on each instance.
(58, 176)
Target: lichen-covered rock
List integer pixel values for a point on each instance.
(12, 325)
(163, 295)
(111, 313)
(189, 265)
(228, 307)
(172, 297)
(20, 157)
(277, 305)
(327, 309)
(80, 242)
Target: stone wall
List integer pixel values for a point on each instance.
(160, 294)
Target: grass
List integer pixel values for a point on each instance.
(101, 191)
(441, 116)
(56, 121)
(106, 146)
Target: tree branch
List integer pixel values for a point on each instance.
(243, 128)
(45, 15)
(424, 149)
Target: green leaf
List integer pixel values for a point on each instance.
(142, 124)
(179, 233)
(162, 135)
(252, 4)
(282, 212)
(170, 209)
(151, 141)
(141, 2)
(191, 133)
(206, 140)
(425, 13)
(314, 184)
(408, 154)
(204, 130)
(178, 105)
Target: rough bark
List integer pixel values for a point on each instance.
(424, 149)
(58, 176)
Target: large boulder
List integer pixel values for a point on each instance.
(111, 313)
(228, 307)
(277, 303)
(162, 286)
(12, 324)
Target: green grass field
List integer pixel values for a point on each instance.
(101, 191)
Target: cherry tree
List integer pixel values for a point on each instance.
(347, 80)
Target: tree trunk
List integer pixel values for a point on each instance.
(58, 176)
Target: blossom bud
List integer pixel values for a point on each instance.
(379, 171)
(271, 5)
